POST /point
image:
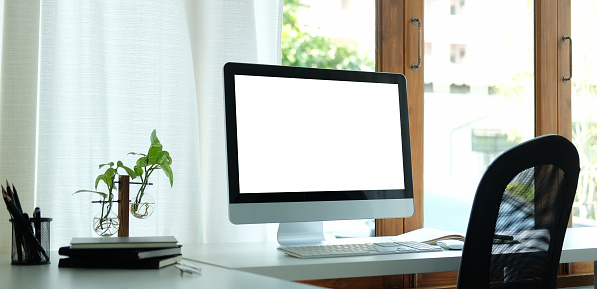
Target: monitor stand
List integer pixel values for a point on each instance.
(300, 233)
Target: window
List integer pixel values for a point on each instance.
(532, 24)
(486, 73)
(584, 101)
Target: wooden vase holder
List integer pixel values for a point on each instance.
(123, 205)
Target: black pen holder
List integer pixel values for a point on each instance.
(31, 241)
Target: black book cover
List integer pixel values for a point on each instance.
(119, 254)
(150, 263)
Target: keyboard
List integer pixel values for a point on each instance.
(345, 250)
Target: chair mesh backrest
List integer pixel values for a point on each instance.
(527, 193)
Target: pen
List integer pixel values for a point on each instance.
(37, 223)
(33, 248)
(27, 241)
(503, 237)
(185, 268)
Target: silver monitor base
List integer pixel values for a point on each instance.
(300, 233)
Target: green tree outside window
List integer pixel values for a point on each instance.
(301, 48)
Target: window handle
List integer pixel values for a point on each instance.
(565, 38)
(417, 21)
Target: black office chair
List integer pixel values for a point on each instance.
(519, 217)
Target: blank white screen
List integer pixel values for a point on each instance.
(300, 135)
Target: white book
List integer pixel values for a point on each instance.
(124, 242)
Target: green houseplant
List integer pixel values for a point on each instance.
(106, 222)
(156, 158)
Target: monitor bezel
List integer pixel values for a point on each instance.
(232, 69)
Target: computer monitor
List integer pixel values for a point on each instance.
(306, 145)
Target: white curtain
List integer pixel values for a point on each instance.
(96, 77)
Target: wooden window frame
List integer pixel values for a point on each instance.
(397, 49)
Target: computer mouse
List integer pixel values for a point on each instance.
(451, 244)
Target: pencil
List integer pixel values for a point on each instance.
(12, 210)
(16, 199)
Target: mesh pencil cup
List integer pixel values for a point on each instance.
(31, 241)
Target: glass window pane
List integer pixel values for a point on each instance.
(479, 98)
(584, 102)
(337, 34)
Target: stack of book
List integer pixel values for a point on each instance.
(121, 253)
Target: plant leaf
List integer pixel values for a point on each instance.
(168, 172)
(154, 137)
(107, 180)
(130, 172)
(154, 152)
(110, 172)
(138, 171)
(104, 195)
(142, 162)
(155, 148)
(108, 164)
(97, 180)
(163, 159)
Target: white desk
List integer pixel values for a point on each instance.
(52, 277)
(580, 245)
(223, 264)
